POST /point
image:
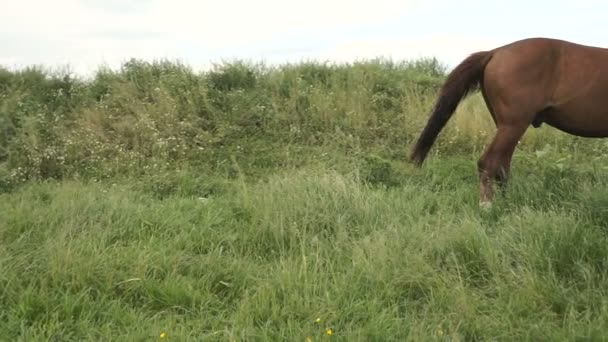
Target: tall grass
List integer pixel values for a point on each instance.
(149, 117)
(263, 261)
(254, 202)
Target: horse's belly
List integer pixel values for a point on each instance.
(583, 122)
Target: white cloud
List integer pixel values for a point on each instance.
(67, 32)
(451, 48)
(219, 23)
(87, 33)
(9, 61)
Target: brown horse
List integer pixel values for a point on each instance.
(527, 82)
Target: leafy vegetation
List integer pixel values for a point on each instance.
(255, 202)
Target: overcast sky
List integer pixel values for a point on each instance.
(85, 34)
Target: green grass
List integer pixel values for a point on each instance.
(264, 260)
(247, 202)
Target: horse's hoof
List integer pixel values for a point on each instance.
(485, 205)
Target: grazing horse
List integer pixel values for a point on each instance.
(527, 82)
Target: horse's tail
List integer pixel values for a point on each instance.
(465, 78)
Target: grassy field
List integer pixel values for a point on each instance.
(251, 203)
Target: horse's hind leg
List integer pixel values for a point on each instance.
(495, 162)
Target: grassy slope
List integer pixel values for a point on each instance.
(245, 203)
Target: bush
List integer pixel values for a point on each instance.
(152, 116)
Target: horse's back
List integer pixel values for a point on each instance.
(567, 82)
(520, 78)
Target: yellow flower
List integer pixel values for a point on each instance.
(163, 334)
(318, 320)
(330, 331)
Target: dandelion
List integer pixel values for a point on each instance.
(330, 331)
(163, 335)
(318, 320)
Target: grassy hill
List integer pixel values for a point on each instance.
(252, 202)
